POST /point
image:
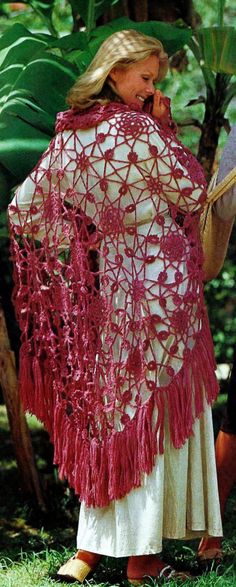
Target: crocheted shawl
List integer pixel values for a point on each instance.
(109, 296)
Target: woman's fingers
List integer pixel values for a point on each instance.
(159, 106)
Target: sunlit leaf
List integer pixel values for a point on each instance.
(34, 83)
(218, 47)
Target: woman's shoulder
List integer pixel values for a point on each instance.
(97, 114)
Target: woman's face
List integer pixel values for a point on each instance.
(136, 83)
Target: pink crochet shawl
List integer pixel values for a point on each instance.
(109, 296)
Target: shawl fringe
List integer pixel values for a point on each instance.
(100, 472)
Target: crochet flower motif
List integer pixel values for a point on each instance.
(131, 125)
(179, 321)
(109, 154)
(111, 220)
(153, 150)
(134, 362)
(154, 185)
(132, 157)
(82, 161)
(173, 247)
(100, 138)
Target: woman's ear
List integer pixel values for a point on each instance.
(114, 73)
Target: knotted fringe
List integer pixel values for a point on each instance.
(104, 470)
(36, 388)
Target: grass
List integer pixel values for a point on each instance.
(34, 545)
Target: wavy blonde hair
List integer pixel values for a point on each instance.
(121, 49)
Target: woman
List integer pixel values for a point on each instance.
(210, 549)
(116, 342)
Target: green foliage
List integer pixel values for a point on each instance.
(34, 81)
(221, 7)
(215, 51)
(45, 9)
(220, 296)
(90, 11)
(172, 37)
(218, 48)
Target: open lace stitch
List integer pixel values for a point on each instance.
(109, 296)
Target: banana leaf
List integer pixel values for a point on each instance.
(33, 86)
(218, 48)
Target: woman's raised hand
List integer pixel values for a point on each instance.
(161, 106)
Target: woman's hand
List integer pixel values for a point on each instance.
(159, 107)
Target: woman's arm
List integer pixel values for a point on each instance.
(40, 190)
(178, 172)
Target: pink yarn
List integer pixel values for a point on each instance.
(114, 328)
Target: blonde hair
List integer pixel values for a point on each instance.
(121, 49)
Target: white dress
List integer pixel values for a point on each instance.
(179, 500)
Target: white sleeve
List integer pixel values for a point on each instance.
(26, 210)
(226, 205)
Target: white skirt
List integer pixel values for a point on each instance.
(178, 500)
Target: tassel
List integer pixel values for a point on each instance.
(26, 381)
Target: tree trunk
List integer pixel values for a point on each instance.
(17, 421)
(138, 11)
(145, 10)
(172, 11)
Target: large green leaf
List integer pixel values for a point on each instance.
(34, 82)
(18, 45)
(218, 48)
(72, 41)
